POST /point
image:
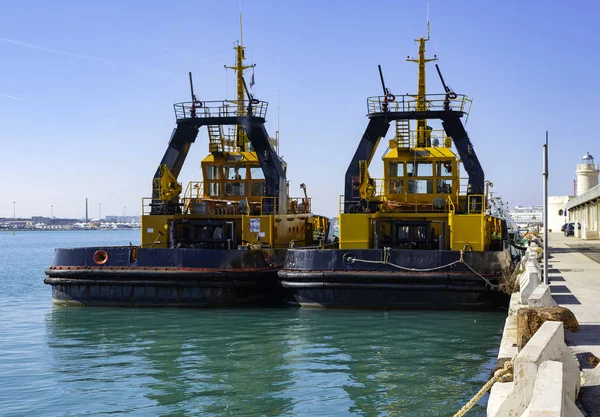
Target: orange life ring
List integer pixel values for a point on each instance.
(100, 257)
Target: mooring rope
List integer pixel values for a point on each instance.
(499, 375)
(386, 261)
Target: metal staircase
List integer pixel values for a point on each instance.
(402, 136)
(215, 138)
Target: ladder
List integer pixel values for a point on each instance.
(402, 135)
(215, 138)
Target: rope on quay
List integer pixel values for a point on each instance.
(500, 375)
(386, 261)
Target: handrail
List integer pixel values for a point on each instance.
(409, 139)
(450, 205)
(222, 108)
(200, 204)
(408, 103)
(476, 204)
(198, 186)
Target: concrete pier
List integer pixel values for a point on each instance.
(575, 284)
(574, 273)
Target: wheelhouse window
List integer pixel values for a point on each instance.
(420, 169)
(395, 186)
(235, 172)
(420, 186)
(235, 189)
(214, 189)
(444, 186)
(396, 169)
(443, 169)
(258, 188)
(213, 172)
(235, 177)
(424, 169)
(256, 172)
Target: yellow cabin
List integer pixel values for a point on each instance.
(421, 202)
(243, 201)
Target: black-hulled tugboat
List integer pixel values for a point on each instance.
(222, 241)
(413, 239)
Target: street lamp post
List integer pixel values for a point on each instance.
(14, 210)
(52, 211)
(99, 211)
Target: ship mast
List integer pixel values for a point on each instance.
(239, 68)
(423, 138)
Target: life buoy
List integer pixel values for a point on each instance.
(100, 257)
(390, 97)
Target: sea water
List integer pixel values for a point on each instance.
(96, 361)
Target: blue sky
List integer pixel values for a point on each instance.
(86, 89)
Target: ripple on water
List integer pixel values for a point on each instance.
(228, 362)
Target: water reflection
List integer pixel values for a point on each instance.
(400, 363)
(274, 362)
(185, 362)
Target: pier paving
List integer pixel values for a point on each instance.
(574, 273)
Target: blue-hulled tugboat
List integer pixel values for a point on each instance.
(221, 242)
(414, 239)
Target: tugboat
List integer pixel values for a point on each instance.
(219, 244)
(417, 238)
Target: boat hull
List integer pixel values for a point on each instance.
(427, 279)
(180, 277)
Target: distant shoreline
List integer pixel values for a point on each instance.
(62, 230)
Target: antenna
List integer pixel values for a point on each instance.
(428, 28)
(277, 132)
(241, 43)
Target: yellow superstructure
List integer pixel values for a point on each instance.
(421, 202)
(230, 208)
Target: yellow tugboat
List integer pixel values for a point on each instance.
(418, 238)
(223, 240)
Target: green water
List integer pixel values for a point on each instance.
(71, 361)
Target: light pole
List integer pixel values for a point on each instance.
(99, 211)
(52, 211)
(14, 210)
(545, 183)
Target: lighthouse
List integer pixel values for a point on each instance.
(587, 174)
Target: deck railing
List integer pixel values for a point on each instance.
(408, 103)
(223, 108)
(195, 204)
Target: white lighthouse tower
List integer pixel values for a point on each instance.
(587, 174)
